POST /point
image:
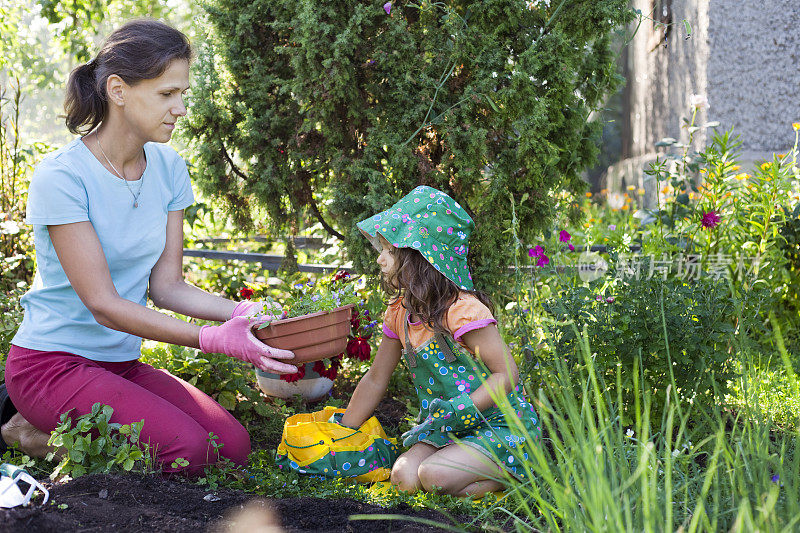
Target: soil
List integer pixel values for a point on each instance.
(135, 503)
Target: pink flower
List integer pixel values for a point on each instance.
(598, 298)
(536, 251)
(542, 261)
(571, 248)
(710, 219)
(388, 8)
(564, 236)
(610, 300)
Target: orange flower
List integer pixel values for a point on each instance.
(588, 195)
(625, 207)
(766, 166)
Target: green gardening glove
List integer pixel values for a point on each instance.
(454, 415)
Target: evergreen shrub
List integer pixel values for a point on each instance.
(333, 109)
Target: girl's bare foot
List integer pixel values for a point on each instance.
(31, 441)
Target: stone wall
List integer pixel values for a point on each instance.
(754, 70)
(744, 56)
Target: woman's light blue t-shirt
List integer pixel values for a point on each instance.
(71, 185)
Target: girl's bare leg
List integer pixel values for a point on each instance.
(31, 441)
(405, 474)
(460, 470)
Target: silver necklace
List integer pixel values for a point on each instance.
(119, 174)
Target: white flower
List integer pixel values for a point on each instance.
(9, 227)
(698, 101)
(538, 3)
(629, 433)
(616, 200)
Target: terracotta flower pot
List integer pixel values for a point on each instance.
(311, 337)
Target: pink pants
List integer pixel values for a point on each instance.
(177, 416)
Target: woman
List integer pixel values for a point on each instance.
(107, 213)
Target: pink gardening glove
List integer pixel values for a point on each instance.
(235, 338)
(270, 311)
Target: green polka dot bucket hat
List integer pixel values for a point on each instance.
(432, 223)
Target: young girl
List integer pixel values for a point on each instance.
(449, 340)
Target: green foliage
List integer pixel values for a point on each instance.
(334, 109)
(225, 278)
(655, 332)
(226, 379)
(78, 21)
(323, 294)
(10, 319)
(16, 167)
(95, 444)
(694, 469)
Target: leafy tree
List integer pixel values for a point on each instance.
(333, 109)
(79, 23)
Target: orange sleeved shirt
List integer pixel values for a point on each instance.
(466, 314)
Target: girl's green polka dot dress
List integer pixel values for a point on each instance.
(449, 372)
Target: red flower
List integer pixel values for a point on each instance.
(300, 374)
(329, 371)
(359, 348)
(710, 219)
(355, 321)
(246, 293)
(341, 275)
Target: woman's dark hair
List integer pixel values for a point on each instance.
(425, 291)
(139, 50)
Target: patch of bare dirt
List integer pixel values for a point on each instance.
(134, 503)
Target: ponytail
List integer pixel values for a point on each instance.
(139, 50)
(84, 104)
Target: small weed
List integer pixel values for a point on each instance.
(95, 444)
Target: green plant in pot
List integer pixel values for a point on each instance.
(321, 322)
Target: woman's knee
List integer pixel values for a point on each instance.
(235, 443)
